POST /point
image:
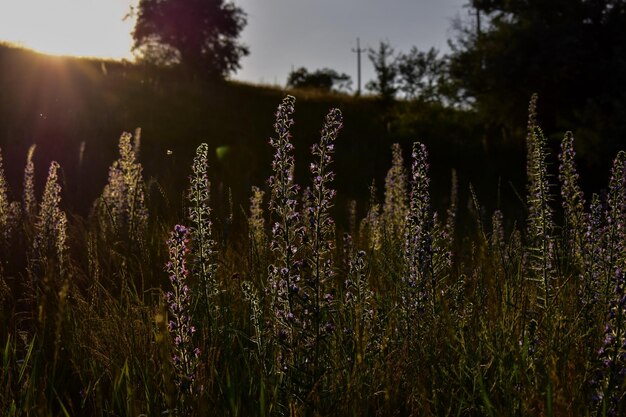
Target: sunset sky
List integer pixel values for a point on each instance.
(281, 34)
(68, 27)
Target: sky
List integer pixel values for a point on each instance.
(282, 34)
(68, 27)
(288, 34)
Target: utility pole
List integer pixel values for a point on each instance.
(474, 10)
(358, 51)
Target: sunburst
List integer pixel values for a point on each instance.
(94, 28)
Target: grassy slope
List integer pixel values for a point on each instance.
(59, 102)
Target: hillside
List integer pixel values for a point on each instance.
(58, 103)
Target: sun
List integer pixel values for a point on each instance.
(94, 28)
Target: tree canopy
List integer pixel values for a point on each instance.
(422, 74)
(571, 52)
(322, 79)
(416, 75)
(200, 35)
(384, 62)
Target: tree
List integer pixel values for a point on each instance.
(200, 35)
(322, 79)
(571, 52)
(421, 75)
(384, 63)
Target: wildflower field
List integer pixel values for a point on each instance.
(277, 309)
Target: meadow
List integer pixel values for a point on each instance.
(171, 296)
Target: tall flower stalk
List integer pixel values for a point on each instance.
(419, 281)
(616, 217)
(30, 201)
(303, 245)
(359, 301)
(395, 206)
(256, 221)
(610, 376)
(123, 198)
(5, 210)
(50, 227)
(540, 226)
(370, 229)
(451, 213)
(256, 317)
(573, 202)
(287, 231)
(443, 234)
(594, 257)
(186, 356)
(322, 231)
(9, 220)
(203, 249)
(497, 244)
(530, 130)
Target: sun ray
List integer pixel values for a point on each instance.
(94, 28)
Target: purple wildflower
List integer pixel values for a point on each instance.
(616, 215)
(186, 355)
(203, 264)
(572, 200)
(418, 284)
(608, 381)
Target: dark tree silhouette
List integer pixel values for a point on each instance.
(384, 62)
(201, 35)
(322, 79)
(422, 75)
(571, 52)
